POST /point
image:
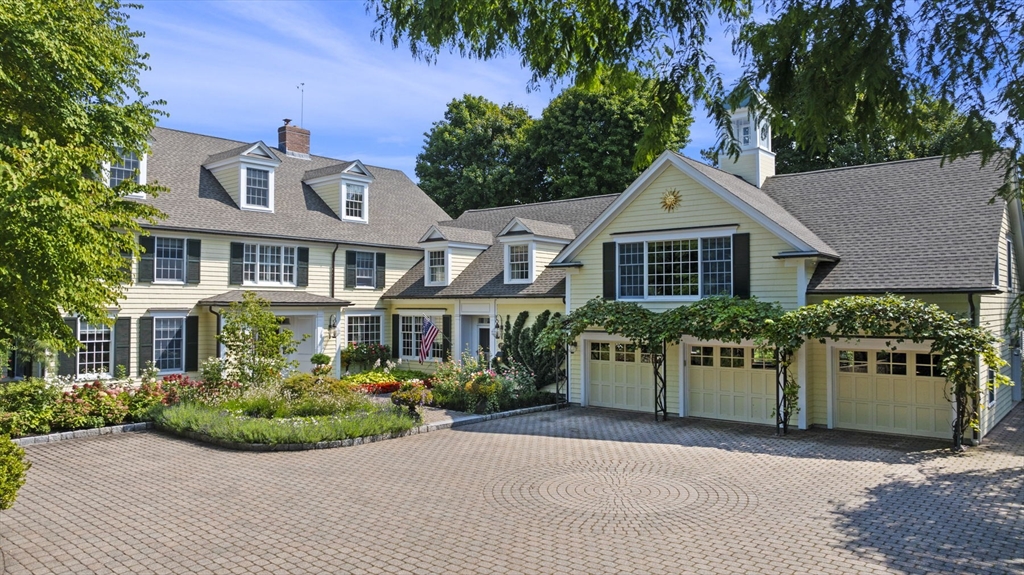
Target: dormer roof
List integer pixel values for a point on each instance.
(353, 168)
(254, 151)
(540, 229)
(439, 233)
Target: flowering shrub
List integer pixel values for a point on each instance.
(90, 405)
(180, 388)
(411, 395)
(469, 386)
(384, 380)
(366, 354)
(321, 364)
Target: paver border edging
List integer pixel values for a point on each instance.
(426, 428)
(79, 433)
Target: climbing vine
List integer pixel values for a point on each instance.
(894, 318)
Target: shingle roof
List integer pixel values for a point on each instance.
(327, 171)
(235, 152)
(760, 201)
(484, 277)
(548, 229)
(453, 234)
(906, 226)
(197, 202)
(283, 297)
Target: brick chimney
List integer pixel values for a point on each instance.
(293, 140)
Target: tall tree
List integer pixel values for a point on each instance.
(69, 99)
(467, 158)
(825, 61)
(585, 141)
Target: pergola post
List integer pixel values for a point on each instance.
(781, 421)
(660, 383)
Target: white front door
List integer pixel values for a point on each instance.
(303, 325)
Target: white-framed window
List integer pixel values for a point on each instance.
(366, 269)
(363, 328)
(411, 334)
(437, 268)
(675, 268)
(355, 202)
(96, 354)
(264, 264)
(257, 188)
(127, 169)
(169, 344)
(518, 259)
(169, 260)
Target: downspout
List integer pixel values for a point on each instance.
(332, 268)
(217, 313)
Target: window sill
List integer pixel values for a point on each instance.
(355, 220)
(518, 282)
(257, 208)
(367, 288)
(416, 358)
(267, 284)
(164, 372)
(169, 282)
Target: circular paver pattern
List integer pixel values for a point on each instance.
(627, 497)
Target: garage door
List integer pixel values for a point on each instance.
(892, 392)
(619, 376)
(727, 382)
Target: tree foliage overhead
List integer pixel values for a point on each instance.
(69, 97)
(468, 158)
(845, 64)
(485, 155)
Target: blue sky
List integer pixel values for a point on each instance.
(230, 69)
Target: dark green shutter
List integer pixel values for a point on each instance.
(396, 336)
(126, 264)
(193, 253)
(302, 273)
(381, 271)
(192, 343)
(122, 342)
(237, 264)
(741, 265)
(608, 269)
(147, 260)
(446, 333)
(145, 342)
(350, 269)
(68, 362)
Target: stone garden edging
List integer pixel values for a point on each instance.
(79, 433)
(426, 428)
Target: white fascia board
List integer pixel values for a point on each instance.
(244, 160)
(271, 156)
(515, 223)
(348, 173)
(525, 238)
(432, 235)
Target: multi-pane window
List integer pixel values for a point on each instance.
(675, 268)
(519, 262)
(853, 361)
(366, 269)
(268, 264)
(731, 356)
(890, 363)
(364, 328)
(928, 365)
(412, 333)
(169, 259)
(126, 169)
(257, 187)
(702, 356)
(169, 343)
(625, 352)
(600, 351)
(355, 201)
(94, 355)
(435, 267)
(631, 270)
(763, 359)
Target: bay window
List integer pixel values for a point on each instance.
(675, 268)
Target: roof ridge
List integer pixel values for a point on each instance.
(538, 204)
(874, 165)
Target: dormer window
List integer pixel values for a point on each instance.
(257, 188)
(437, 270)
(518, 258)
(130, 168)
(355, 201)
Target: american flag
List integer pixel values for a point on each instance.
(430, 333)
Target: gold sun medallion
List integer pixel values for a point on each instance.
(670, 200)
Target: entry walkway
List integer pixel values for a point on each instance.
(573, 491)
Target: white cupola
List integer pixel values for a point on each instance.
(754, 135)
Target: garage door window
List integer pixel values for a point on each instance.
(703, 356)
(928, 365)
(600, 351)
(625, 352)
(888, 363)
(853, 361)
(732, 356)
(763, 359)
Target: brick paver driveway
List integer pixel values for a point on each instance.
(577, 491)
